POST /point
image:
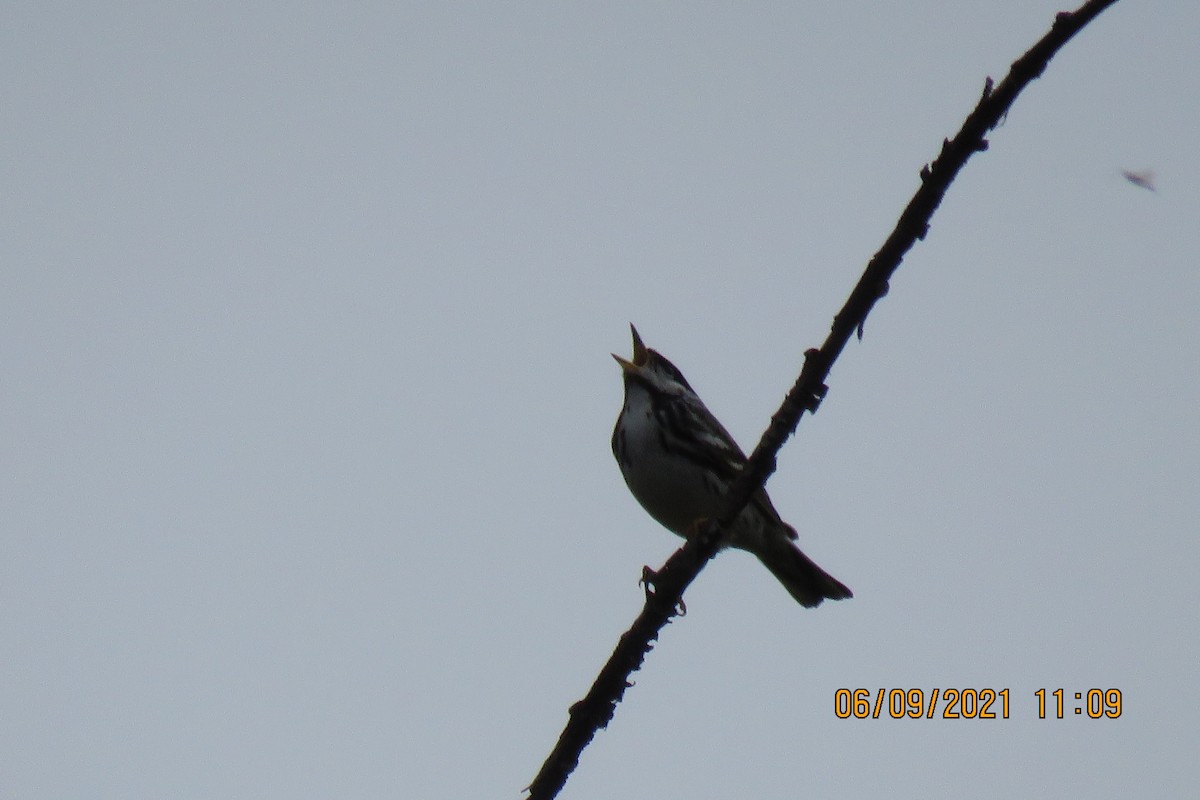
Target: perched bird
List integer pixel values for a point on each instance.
(679, 463)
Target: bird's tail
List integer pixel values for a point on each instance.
(803, 579)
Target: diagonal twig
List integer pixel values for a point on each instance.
(596, 709)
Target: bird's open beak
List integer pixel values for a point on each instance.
(627, 367)
(640, 355)
(639, 349)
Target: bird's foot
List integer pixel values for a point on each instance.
(647, 581)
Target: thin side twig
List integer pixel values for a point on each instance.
(596, 709)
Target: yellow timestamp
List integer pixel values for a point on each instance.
(1096, 703)
(919, 704)
(971, 703)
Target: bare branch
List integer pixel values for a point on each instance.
(596, 709)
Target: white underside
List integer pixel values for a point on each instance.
(674, 490)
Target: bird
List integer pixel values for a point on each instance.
(679, 463)
(1144, 179)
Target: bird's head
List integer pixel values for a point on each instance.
(652, 368)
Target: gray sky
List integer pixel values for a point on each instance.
(304, 327)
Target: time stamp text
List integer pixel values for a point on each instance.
(972, 703)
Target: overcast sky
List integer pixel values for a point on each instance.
(305, 322)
